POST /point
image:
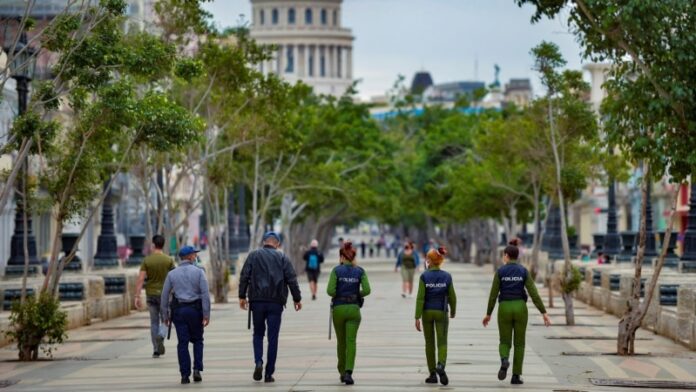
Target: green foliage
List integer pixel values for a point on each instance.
(31, 126)
(650, 111)
(38, 322)
(570, 284)
(164, 125)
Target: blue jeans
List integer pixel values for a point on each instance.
(157, 328)
(266, 314)
(188, 322)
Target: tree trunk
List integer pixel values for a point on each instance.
(636, 311)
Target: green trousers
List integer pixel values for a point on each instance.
(346, 321)
(435, 324)
(512, 320)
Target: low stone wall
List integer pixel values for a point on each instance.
(607, 287)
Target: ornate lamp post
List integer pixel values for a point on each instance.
(612, 240)
(22, 70)
(650, 243)
(107, 251)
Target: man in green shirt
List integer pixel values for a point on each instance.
(155, 268)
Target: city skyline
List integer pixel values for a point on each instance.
(433, 36)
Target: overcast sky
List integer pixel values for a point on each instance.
(445, 37)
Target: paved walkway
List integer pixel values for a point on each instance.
(115, 355)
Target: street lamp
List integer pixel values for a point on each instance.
(22, 60)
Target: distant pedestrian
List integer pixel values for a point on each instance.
(372, 247)
(363, 247)
(381, 242)
(436, 297)
(313, 259)
(154, 268)
(408, 261)
(348, 285)
(512, 284)
(263, 288)
(190, 311)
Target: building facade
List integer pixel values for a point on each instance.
(312, 45)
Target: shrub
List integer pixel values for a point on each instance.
(37, 323)
(572, 283)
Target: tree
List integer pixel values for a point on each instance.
(569, 122)
(650, 113)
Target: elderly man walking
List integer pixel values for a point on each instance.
(190, 311)
(263, 285)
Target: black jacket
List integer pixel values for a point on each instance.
(266, 276)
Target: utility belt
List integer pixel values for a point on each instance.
(197, 304)
(348, 300)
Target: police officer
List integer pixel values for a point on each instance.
(511, 285)
(435, 295)
(348, 285)
(190, 311)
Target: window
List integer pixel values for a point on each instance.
(274, 16)
(335, 18)
(324, 17)
(290, 56)
(308, 16)
(262, 17)
(291, 16)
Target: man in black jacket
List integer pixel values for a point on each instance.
(263, 285)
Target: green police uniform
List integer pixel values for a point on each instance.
(435, 294)
(511, 285)
(347, 286)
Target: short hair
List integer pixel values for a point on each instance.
(158, 240)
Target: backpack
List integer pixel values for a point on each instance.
(313, 262)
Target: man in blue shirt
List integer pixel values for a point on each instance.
(190, 311)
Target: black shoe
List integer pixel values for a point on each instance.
(516, 380)
(160, 345)
(197, 376)
(258, 372)
(343, 379)
(440, 369)
(185, 380)
(269, 379)
(504, 365)
(348, 378)
(432, 379)
(155, 355)
(314, 298)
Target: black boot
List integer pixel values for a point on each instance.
(185, 380)
(343, 379)
(197, 376)
(348, 378)
(269, 378)
(440, 369)
(516, 380)
(258, 372)
(504, 365)
(432, 379)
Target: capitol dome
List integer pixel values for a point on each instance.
(312, 44)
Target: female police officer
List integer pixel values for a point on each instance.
(509, 286)
(348, 284)
(435, 294)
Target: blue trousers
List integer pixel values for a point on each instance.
(266, 315)
(188, 322)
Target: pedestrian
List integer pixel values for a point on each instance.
(381, 242)
(363, 247)
(348, 285)
(408, 261)
(263, 289)
(190, 311)
(372, 247)
(313, 259)
(436, 297)
(154, 268)
(512, 284)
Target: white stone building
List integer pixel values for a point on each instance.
(312, 44)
